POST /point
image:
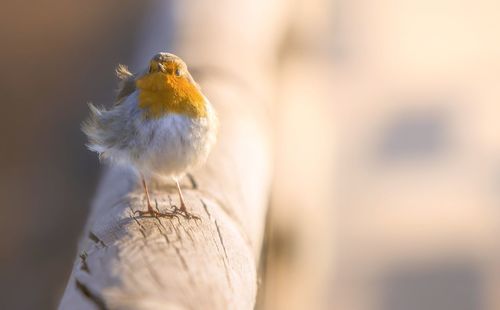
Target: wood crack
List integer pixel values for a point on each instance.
(164, 234)
(94, 297)
(226, 260)
(228, 212)
(141, 229)
(96, 239)
(182, 259)
(206, 209)
(84, 266)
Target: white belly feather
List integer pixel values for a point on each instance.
(176, 143)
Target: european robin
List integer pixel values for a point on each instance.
(161, 124)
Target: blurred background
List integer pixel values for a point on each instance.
(387, 141)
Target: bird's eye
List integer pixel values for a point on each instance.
(178, 72)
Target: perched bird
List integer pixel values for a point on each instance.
(161, 124)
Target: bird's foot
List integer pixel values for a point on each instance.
(176, 212)
(185, 213)
(150, 212)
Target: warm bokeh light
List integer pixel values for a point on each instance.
(387, 146)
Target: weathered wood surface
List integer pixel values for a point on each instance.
(131, 262)
(128, 262)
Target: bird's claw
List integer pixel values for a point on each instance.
(153, 213)
(184, 212)
(176, 212)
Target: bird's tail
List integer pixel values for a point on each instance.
(92, 127)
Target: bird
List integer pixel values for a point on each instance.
(161, 125)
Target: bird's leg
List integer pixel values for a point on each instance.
(151, 211)
(182, 208)
(150, 208)
(181, 197)
(175, 213)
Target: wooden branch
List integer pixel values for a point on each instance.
(126, 262)
(129, 262)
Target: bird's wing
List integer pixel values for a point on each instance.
(127, 83)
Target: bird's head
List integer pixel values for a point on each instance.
(167, 87)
